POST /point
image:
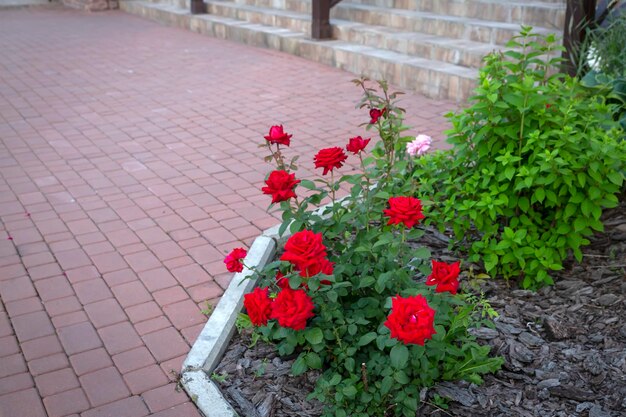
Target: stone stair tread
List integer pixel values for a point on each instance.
(405, 59)
(404, 12)
(258, 9)
(435, 16)
(466, 44)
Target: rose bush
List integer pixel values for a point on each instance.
(352, 292)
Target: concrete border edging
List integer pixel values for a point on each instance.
(210, 345)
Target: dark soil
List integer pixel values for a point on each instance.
(564, 348)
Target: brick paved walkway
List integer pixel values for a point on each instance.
(128, 166)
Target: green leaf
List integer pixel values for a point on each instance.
(615, 177)
(523, 203)
(367, 338)
(308, 184)
(399, 356)
(401, 377)
(336, 378)
(509, 172)
(421, 253)
(314, 335)
(579, 224)
(299, 366)
(313, 360)
(349, 391)
(366, 282)
(386, 385)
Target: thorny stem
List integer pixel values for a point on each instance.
(337, 338)
(332, 191)
(366, 189)
(279, 158)
(364, 376)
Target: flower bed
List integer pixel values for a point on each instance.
(343, 294)
(564, 349)
(356, 301)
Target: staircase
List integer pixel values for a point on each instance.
(430, 46)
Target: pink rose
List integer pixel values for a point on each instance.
(419, 146)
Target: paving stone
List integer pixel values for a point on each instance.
(32, 325)
(12, 364)
(184, 314)
(67, 402)
(144, 379)
(16, 289)
(79, 338)
(127, 407)
(48, 363)
(133, 359)
(91, 360)
(104, 313)
(104, 386)
(92, 291)
(8, 346)
(164, 397)
(13, 383)
(24, 306)
(157, 279)
(165, 344)
(25, 403)
(119, 337)
(56, 381)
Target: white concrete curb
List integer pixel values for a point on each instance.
(208, 349)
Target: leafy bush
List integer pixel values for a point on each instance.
(343, 295)
(614, 91)
(603, 48)
(535, 160)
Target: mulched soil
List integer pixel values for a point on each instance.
(564, 348)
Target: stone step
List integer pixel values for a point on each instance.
(533, 13)
(295, 21)
(437, 48)
(495, 33)
(453, 51)
(548, 14)
(431, 78)
(477, 30)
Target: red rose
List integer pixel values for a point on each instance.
(329, 159)
(292, 308)
(323, 266)
(277, 135)
(303, 249)
(411, 320)
(444, 276)
(376, 114)
(233, 260)
(280, 185)
(258, 305)
(406, 210)
(281, 280)
(357, 144)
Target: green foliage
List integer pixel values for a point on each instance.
(614, 91)
(365, 371)
(604, 46)
(535, 160)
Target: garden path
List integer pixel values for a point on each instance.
(128, 166)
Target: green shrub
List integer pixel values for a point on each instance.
(604, 49)
(614, 91)
(534, 162)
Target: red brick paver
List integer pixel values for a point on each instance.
(128, 165)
